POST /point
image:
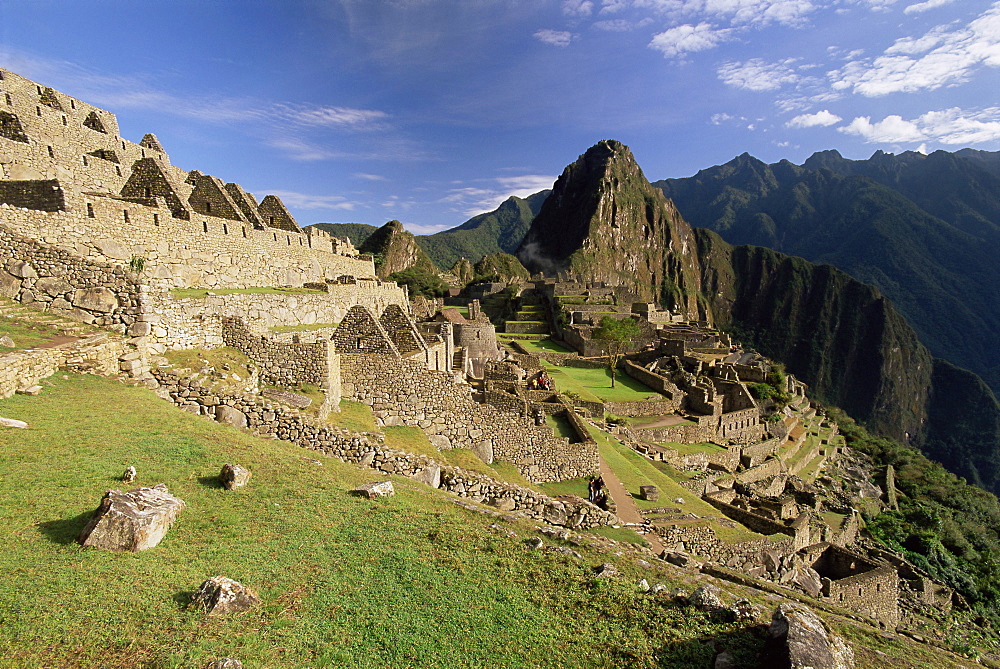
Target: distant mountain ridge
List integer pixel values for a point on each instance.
(923, 229)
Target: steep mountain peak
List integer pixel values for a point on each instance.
(604, 222)
(395, 250)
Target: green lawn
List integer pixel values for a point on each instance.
(354, 416)
(545, 346)
(595, 384)
(561, 427)
(25, 334)
(406, 581)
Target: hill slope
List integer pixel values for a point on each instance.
(356, 233)
(920, 228)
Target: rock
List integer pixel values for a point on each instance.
(679, 559)
(230, 416)
(234, 476)
(9, 286)
(220, 595)
(30, 390)
(430, 475)
(679, 500)
(808, 579)
(534, 543)
(291, 399)
(95, 299)
(643, 585)
(129, 475)
(133, 520)
(798, 638)
(607, 570)
(22, 270)
(7, 341)
(745, 612)
(650, 493)
(11, 422)
(503, 503)
(706, 597)
(139, 329)
(53, 286)
(373, 490)
(724, 660)
(555, 514)
(225, 663)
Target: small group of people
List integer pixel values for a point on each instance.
(597, 493)
(540, 382)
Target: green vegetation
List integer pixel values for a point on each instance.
(944, 525)
(354, 416)
(356, 233)
(420, 281)
(27, 334)
(561, 427)
(500, 268)
(544, 346)
(182, 293)
(217, 358)
(617, 334)
(347, 582)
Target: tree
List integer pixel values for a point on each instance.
(616, 334)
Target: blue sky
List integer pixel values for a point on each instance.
(429, 111)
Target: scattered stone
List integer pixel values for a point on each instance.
(503, 503)
(679, 500)
(607, 570)
(225, 663)
(658, 588)
(234, 476)
(30, 390)
(706, 597)
(431, 475)
(11, 422)
(373, 490)
(745, 611)
(230, 416)
(680, 595)
(534, 543)
(7, 341)
(650, 493)
(798, 638)
(568, 551)
(293, 400)
(643, 585)
(133, 520)
(724, 660)
(220, 595)
(312, 461)
(129, 475)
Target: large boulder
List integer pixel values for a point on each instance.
(133, 520)
(10, 286)
(219, 595)
(376, 489)
(234, 476)
(797, 638)
(95, 299)
(231, 416)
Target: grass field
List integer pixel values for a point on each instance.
(545, 346)
(26, 335)
(595, 385)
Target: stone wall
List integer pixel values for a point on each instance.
(642, 407)
(280, 364)
(403, 392)
(282, 423)
(659, 383)
(702, 541)
(38, 195)
(54, 279)
(23, 369)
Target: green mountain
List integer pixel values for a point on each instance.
(500, 230)
(842, 337)
(604, 222)
(920, 228)
(395, 250)
(356, 233)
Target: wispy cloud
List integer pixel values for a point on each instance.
(307, 201)
(952, 126)
(554, 37)
(819, 119)
(759, 75)
(943, 56)
(488, 194)
(578, 8)
(926, 6)
(684, 39)
(369, 177)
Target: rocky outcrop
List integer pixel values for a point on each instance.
(396, 250)
(797, 638)
(133, 520)
(219, 595)
(604, 222)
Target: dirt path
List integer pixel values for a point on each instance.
(627, 509)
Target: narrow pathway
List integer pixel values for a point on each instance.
(627, 509)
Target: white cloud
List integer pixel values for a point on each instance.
(948, 126)
(614, 25)
(949, 57)
(526, 184)
(720, 118)
(758, 75)
(737, 12)
(305, 201)
(333, 116)
(925, 6)
(687, 38)
(473, 200)
(369, 177)
(581, 8)
(819, 119)
(554, 37)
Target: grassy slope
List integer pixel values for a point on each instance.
(591, 383)
(407, 581)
